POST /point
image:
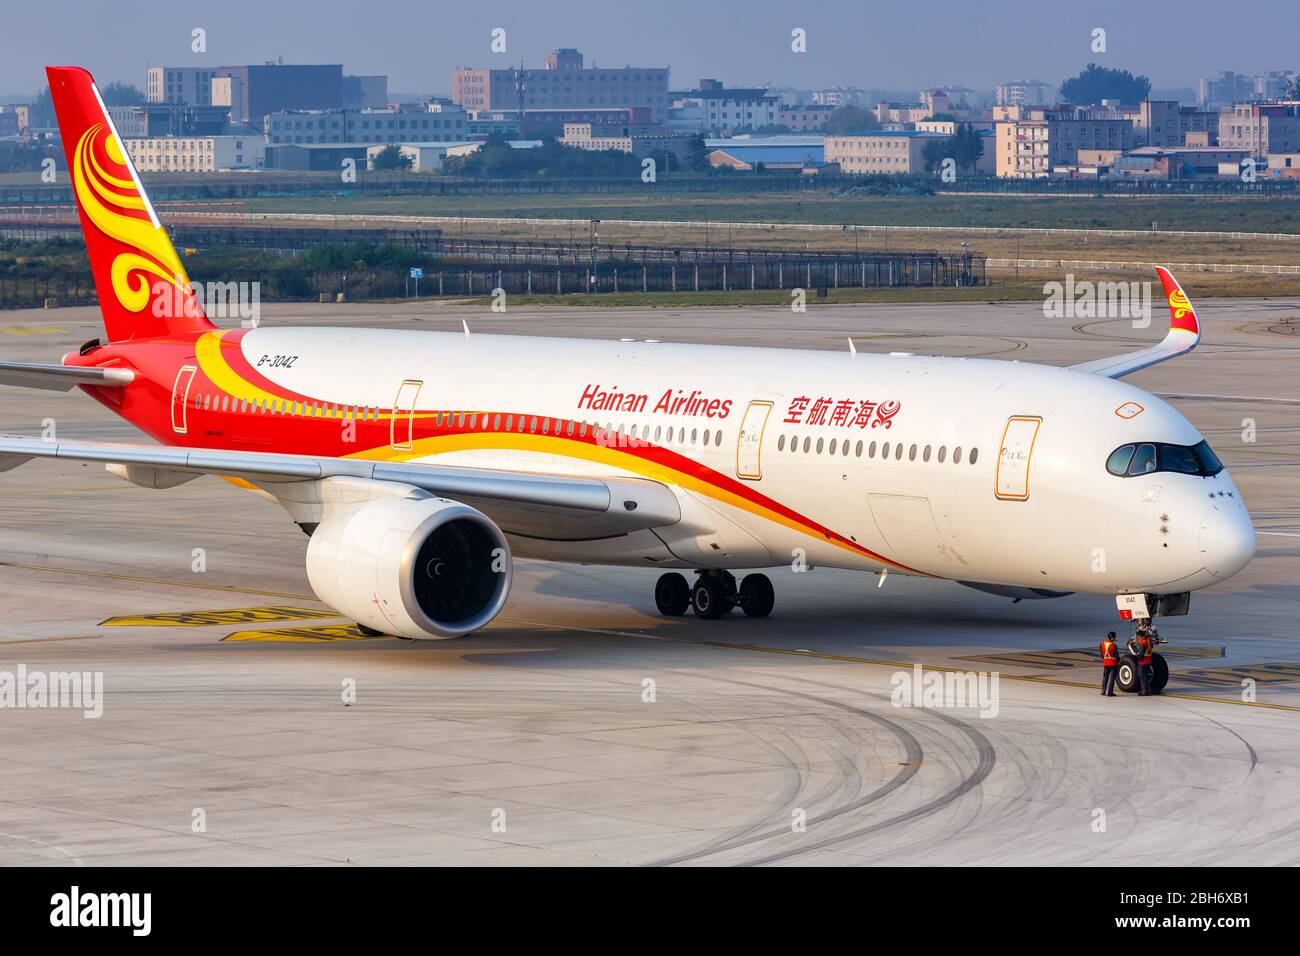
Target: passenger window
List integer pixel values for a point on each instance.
(898, 452)
(974, 454)
(859, 451)
(943, 452)
(1144, 460)
(833, 445)
(717, 438)
(911, 453)
(780, 443)
(807, 443)
(819, 445)
(956, 455)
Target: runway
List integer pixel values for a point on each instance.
(244, 723)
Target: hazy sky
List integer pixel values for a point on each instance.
(895, 44)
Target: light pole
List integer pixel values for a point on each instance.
(595, 240)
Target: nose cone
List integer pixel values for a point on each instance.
(1227, 539)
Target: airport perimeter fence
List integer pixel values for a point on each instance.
(454, 266)
(195, 187)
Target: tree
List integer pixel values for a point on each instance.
(852, 119)
(696, 155)
(964, 147)
(42, 111)
(121, 94)
(967, 146)
(392, 157)
(1096, 83)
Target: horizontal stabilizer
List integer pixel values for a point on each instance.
(61, 378)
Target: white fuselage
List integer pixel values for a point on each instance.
(968, 469)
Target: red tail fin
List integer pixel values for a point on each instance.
(143, 289)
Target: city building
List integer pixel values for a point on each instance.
(717, 110)
(804, 118)
(365, 92)
(837, 96)
(1024, 93)
(274, 87)
(196, 154)
(628, 138)
(564, 83)
(1261, 128)
(1230, 88)
(188, 86)
(1178, 163)
(441, 125)
(1284, 165)
(749, 157)
(316, 157)
(425, 157)
(1165, 123)
(880, 151)
(169, 119)
(1032, 147)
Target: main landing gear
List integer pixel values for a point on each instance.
(715, 593)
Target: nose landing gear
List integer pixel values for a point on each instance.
(715, 594)
(1130, 683)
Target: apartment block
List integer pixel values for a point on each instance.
(196, 154)
(1030, 148)
(879, 151)
(564, 83)
(448, 124)
(1261, 128)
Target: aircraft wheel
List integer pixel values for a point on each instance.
(756, 595)
(1159, 672)
(1127, 679)
(708, 598)
(672, 595)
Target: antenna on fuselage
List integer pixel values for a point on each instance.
(852, 348)
(465, 325)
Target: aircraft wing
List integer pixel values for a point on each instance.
(1183, 335)
(61, 378)
(558, 506)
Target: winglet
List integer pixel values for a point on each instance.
(1181, 314)
(1184, 334)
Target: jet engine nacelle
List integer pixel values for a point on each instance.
(419, 567)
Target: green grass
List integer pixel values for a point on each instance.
(1172, 212)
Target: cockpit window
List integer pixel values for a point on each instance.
(1147, 457)
(1117, 463)
(1144, 460)
(1210, 464)
(1179, 459)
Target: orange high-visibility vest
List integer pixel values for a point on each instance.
(1108, 655)
(1145, 643)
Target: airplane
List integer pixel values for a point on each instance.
(421, 464)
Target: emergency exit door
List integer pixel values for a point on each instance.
(1012, 482)
(402, 430)
(749, 443)
(180, 399)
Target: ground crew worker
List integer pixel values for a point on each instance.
(1144, 642)
(1109, 665)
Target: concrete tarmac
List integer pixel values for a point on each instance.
(245, 723)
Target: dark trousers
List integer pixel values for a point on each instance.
(1144, 677)
(1108, 675)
